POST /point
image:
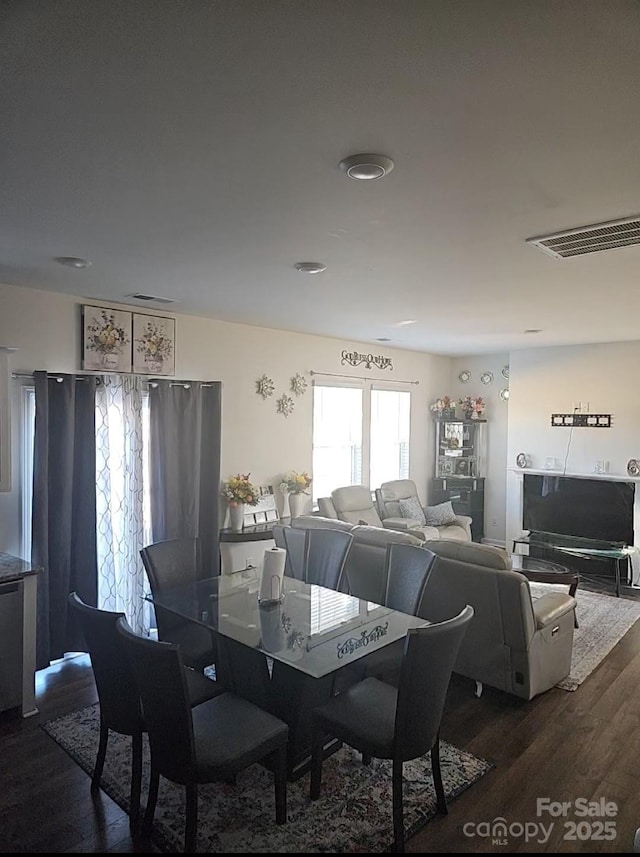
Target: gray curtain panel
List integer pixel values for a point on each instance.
(184, 451)
(64, 507)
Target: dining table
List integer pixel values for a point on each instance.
(290, 654)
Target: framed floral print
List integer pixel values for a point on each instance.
(154, 347)
(106, 339)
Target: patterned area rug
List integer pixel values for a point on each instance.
(353, 813)
(603, 620)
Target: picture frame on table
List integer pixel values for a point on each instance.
(154, 344)
(106, 339)
(462, 467)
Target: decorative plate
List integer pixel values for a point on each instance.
(465, 376)
(521, 459)
(486, 377)
(504, 394)
(265, 387)
(633, 467)
(298, 384)
(505, 372)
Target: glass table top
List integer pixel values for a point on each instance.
(575, 544)
(313, 629)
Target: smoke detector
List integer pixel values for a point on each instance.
(366, 166)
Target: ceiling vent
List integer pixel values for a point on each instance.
(590, 239)
(140, 297)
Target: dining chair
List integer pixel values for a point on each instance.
(118, 697)
(169, 564)
(209, 743)
(318, 556)
(278, 537)
(399, 724)
(407, 569)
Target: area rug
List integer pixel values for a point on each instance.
(353, 813)
(603, 621)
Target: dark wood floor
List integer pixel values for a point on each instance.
(560, 745)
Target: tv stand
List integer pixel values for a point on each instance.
(547, 545)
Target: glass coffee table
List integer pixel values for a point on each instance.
(544, 571)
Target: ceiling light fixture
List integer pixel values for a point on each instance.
(382, 339)
(72, 261)
(310, 267)
(366, 166)
(533, 330)
(405, 323)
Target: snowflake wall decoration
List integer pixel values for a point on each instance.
(298, 385)
(285, 405)
(265, 387)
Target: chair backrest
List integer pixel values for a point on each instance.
(326, 555)
(326, 507)
(279, 539)
(162, 685)
(168, 564)
(317, 555)
(407, 569)
(429, 656)
(115, 682)
(353, 504)
(389, 494)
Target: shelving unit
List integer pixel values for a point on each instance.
(460, 458)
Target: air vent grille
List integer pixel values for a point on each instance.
(590, 239)
(140, 297)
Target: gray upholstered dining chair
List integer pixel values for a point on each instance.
(118, 697)
(210, 743)
(168, 564)
(398, 724)
(318, 556)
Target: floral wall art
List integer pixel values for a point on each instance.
(154, 344)
(106, 339)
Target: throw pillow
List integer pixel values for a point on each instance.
(411, 508)
(440, 515)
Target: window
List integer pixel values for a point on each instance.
(360, 433)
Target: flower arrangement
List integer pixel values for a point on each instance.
(443, 404)
(106, 336)
(239, 489)
(472, 406)
(154, 344)
(295, 483)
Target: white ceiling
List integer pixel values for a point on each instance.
(190, 150)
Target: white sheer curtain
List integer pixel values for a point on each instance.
(120, 498)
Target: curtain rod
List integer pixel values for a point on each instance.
(362, 377)
(153, 382)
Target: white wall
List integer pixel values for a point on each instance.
(496, 413)
(46, 328)
(553, 380)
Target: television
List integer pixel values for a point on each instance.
(587, 508)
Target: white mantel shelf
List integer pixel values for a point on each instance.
(606, 477)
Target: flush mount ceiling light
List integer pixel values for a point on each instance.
(533, 330)
(72, 261)
(366, 166)
(405, 323)
(310, 267)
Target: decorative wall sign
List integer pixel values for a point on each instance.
(106, 339)
(298, 385)
(581, 420)
(355, 358)
(265, 387)
(154, 350)
(285, 405)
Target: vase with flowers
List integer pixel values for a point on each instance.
(296, 485)
(239, 492)
(472, 407)
(443, 408)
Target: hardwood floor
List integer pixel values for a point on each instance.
(560, 746)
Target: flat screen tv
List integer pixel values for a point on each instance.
(587, 508)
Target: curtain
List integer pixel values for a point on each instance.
(185, 436)
(64, 512)
(120, 514)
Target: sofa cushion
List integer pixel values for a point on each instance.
(440, 515)
(379, 536)
(471, 552)
(318, 522)
(411, 508)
